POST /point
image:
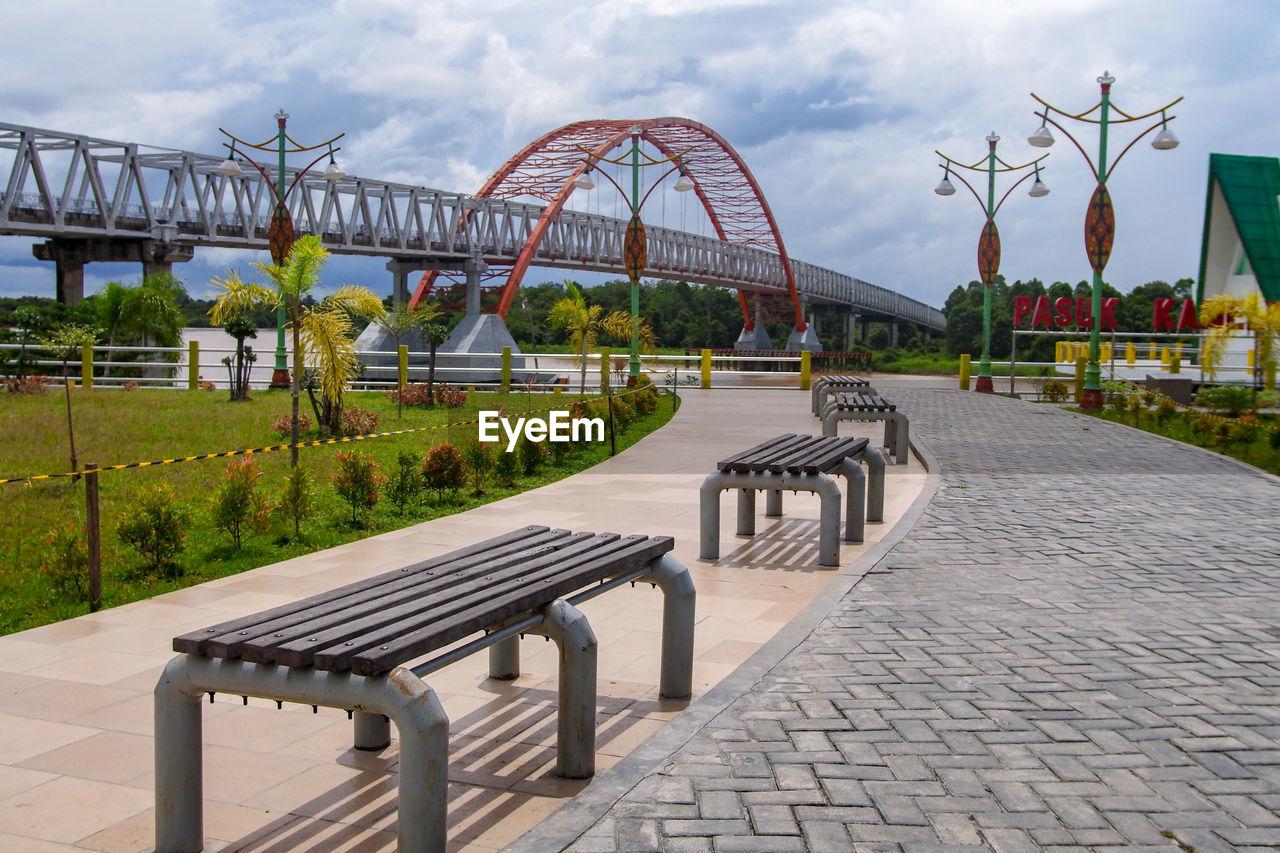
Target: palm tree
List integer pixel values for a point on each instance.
(316, 328)
(145, 314)
(1220, 315)
(400, 321)
(584, 325)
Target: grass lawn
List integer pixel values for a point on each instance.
(118, 427)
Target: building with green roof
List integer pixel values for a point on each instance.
(1240, 251)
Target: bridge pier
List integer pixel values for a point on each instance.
(71, 254)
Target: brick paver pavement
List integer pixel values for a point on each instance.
(1077, 646)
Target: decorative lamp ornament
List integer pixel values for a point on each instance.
(1042, 138)
(229, 168)
(945, 187)
(1038, 189)
(584, 181)
(683, 184)
(333, 172)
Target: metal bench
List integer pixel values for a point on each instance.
(349, 648)
(852, 406)
(799, 463)
(830, 384)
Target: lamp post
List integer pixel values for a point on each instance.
(634, 245)
(280, 233)
(989, 241)
(1100, 221)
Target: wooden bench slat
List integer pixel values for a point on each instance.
(229, 644)
(799, 454)
(196, 642)
(852, 400)
(413, 644)
(431, 599)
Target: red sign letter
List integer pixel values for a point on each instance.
(1084, 312)
(1162, 314)
(1062, 311)
(1021, 308)
(1109, 312)
(1041, 316)
(1187, 319)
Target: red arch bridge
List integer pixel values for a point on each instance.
(102, 200)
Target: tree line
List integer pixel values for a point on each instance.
(963, 311)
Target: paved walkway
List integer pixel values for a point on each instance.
(1076, 646)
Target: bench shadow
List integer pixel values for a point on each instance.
(782, 544)
(501, 758)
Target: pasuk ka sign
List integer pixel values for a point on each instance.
(1065, 312)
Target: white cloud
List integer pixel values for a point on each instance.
(837, 107)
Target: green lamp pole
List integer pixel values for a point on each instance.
(634, 248)
(280, 234)
(1100, 221)
(989, 241)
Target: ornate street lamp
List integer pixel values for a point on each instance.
(280, 233)
(1100, 221)
(989, 241)
(634, 245)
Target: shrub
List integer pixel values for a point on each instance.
(1243, 430)
(1234, 400)
(284, 427)
(358, 481)
(1055, 391)
(623, 413)
(156, 527)
(208, 386)
(130, 386)
(480, 459)
(66, 562)
(358, 421)
(415, 394)
(1165, 410)
(507, 467)
(533, 455)
(444, 470)
(449, 396)
(1274, 438)
(297, 499)
(407, 482)
(239, 508)
(644, 396)
(27, 384)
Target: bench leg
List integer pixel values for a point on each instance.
(576, 721)
(400, 695)
(746, 512)
(372, 731)
(829, 420)
(773, 503)
(678, 601)
(900, 438)
(875, 484)
(179, 777)
(829, 524)
(709, 516)
(504, 659)
(855, 500)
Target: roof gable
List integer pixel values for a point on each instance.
(1251, 188)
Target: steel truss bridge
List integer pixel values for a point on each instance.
(98, 192)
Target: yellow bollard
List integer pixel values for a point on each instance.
(604, 370)
(1080, 363)
(193, 365)
(1058, 353)
(402, 369)
(1165, 355)
(806, 360)
(1105, 355)
(964, 372)
(706, 368)
(1253, 354)
(1130, 353)
(86, 366)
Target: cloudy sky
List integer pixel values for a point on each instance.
(837, 107)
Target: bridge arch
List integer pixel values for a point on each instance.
(546, 167)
